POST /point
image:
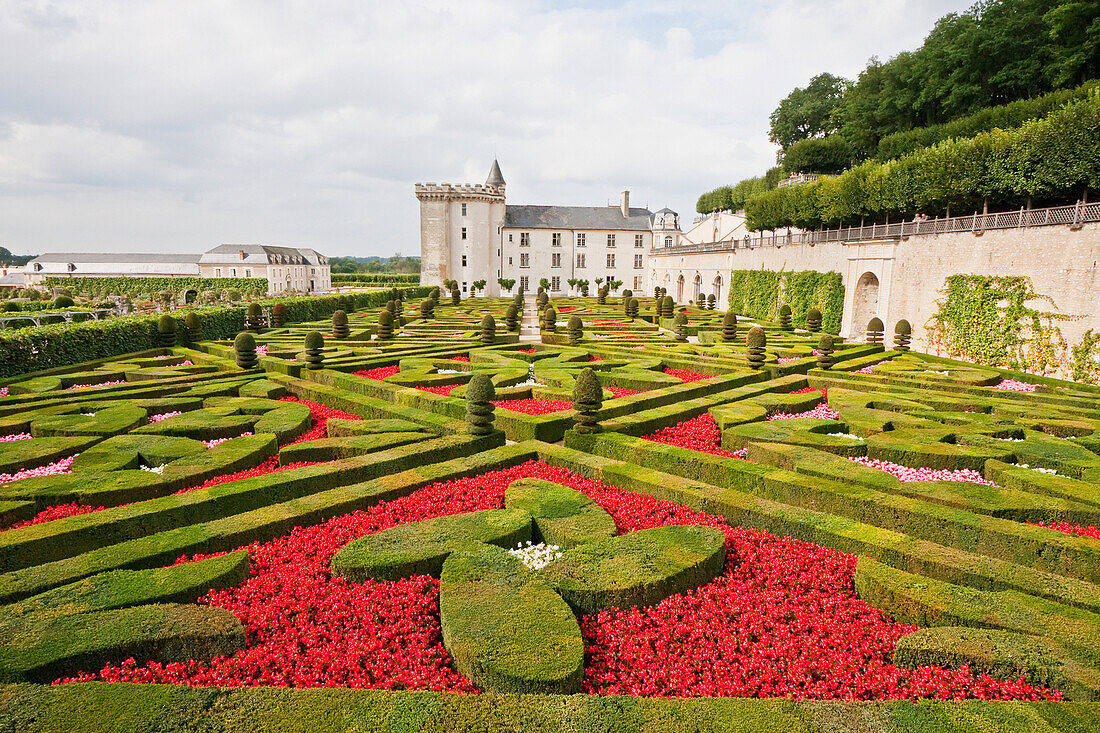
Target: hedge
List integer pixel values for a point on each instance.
(1055, 157)
(63, 344)
(135, 286)
(130, 708)
(760, 293)
(361, 278)
(1003, 116)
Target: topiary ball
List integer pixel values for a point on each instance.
(63, 301)
(244, 347)
(314, 348)
(825, 352)
(902, 334)
(785, 317)
(874, 330)
(813, 320)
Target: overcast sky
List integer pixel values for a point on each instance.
(154, 126)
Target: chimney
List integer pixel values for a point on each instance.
(241, 253)
(625, 205)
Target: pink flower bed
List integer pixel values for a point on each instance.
(15, 436)
(97, 384)
(53, 469)
(699, 433)
(821, 412)
(907, 474)
(261, 350)
(806, 390)
(870, 369)
(783, 620)
(4, 392)
(163, 416)
(1012, 385)
(218, 441)
(534, 407)
(1077, 529)
(787, 359)
(379, 372)
(686, 376)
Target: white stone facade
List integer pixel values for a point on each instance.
(469, 233)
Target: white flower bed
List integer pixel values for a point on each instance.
(1040, 470)
(536, 556)
(844, 435)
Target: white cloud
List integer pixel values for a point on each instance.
(161, 125)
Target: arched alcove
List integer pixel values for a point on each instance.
(865, 304)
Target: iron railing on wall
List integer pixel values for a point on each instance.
(1073, 215)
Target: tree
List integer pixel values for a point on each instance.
(614, 284)
(808, 112)
(506, 283)
(479, 284)
(544, 283)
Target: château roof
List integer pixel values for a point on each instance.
(576, 217)
(496, 178)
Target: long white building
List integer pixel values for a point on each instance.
(469, 233)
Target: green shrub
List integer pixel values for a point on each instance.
(587, 400)
(757, 293)
(385, 324)
(479, 404)
(755, 344)
(314, 350)
(244, 350)
(63, 301)
(278, 315)
(166, 330)
(874, 330)
(340, 328)
(902, 334)
(825, 352)
(488, 332)
(193, 322)
(729, 326)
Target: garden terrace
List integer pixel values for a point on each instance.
(739, 545)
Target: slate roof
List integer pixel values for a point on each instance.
(116, 257)
(576, 217)
(257, 254)
(496, 178)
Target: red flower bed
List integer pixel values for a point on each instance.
(623, 391)
(379, 372)
(699, 433)
(443, 389)
(686, 376)
(528, 351)
(319, 416)
(534, 407)
(460, 358)
(56, 512)
(807, 390)
(594, 358)
(783, 620)
(1078, 529)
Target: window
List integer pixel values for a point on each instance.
(668, 242)
(232, 272)
(639, 240)
(637, 282)
(555, 259)
(525, 260)
(217, 270)
(523, 283)
(464, 260)
(464, 282)
(525, 239)
(463, 232)
(637, 262)
(509, 262)
(555, 239)
(248, 272)
(580, 239)
(611, 257)
(509, 237)
(580, 260)
(464, 209)
(610, 240)
(555, 284)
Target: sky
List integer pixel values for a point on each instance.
(174, 127)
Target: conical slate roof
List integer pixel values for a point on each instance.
(495, 177)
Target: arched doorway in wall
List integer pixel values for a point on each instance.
(697, 287)
(717, 290)
(189, 296)
(680, 289)
(865, 303)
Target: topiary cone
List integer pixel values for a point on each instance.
(244, 347)
(253, 317)
(679, 326)
(667, 306)
(729, 326)
(456, 297)
(385, 325)
(479, 404)
(314, 353)
(488, 330)
(874, 330)
(340, 325)
(813, 320)
(755, 343)
(785, 317)
(825, 352)
(427, 308)
(587, 401)
(549, 319)
(632, 308)
(166, 330)
(391, 306)
(542, 299)
(511, 318)
(194, 325)
(575, 328)
(903, 332)
(278, 315)
(601, 296)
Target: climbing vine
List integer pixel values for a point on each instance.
(760, 293)
(987, 320)
(1086, 359)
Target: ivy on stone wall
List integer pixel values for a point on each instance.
(1086, 359)
(987, 320)
(760, 293)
